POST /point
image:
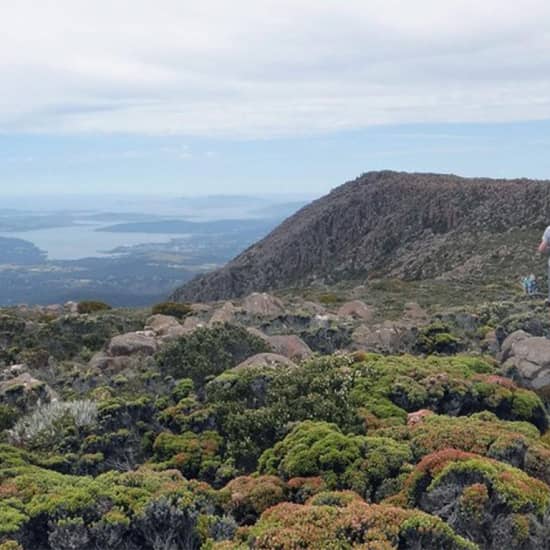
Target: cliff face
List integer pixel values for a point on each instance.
(411, 226)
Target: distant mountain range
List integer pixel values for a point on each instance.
(394, 224)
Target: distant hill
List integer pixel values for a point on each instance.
(394, 224)
(20, 252)
(188, 227)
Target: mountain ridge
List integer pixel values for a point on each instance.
(390, 224)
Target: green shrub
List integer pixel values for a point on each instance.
(194, 455)
(355, 462)
(92, 306)
(436, 338)
(8, 416)
(329, 299)
(209, 351)
(174, 309)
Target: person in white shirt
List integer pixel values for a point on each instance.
(544, 248)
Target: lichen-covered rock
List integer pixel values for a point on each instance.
(132, 343)
(291, 346)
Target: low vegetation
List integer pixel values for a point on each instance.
(187, 448)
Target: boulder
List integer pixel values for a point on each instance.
(131, 343)
(192, 323)
(291, 346)
(105, 362)
(508, 343)
(357, 310)
(263, 305)
(527, 360)
(387, 337)
(165, 327)
(225, 314)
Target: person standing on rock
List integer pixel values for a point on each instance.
(544, 248)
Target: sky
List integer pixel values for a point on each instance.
(286, 96)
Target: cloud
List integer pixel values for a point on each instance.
(263, 68)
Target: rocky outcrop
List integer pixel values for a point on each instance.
(131, 343)
(526, 359)
(410, 226)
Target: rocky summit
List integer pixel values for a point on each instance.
(393, 224)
